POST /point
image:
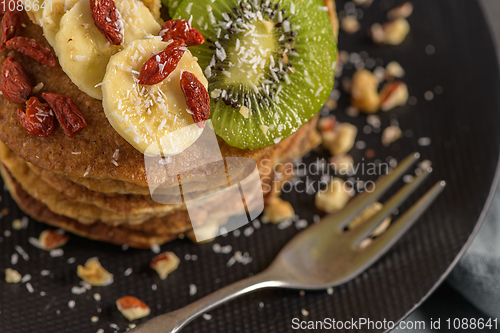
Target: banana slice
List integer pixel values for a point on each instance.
(83, 50)
(154, 7)
(154, 119)
(51, 18)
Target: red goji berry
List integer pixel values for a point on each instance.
(67, 113)
(181, 29)
(38, 119)
(15, 82)
(106, 17)
(197, 98)
(159, 66)
(32, 49)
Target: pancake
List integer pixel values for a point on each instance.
(91, 151)
(145, 235)
(74, 184)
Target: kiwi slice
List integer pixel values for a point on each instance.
(270, 65)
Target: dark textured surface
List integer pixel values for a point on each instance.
(462, 123)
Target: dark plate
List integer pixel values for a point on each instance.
(462, 124)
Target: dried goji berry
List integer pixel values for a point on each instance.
(15, 82)
(159, 66)
(67, 113)
(197, 98)
(106, 17)
(181, 29)
(32, 49)
(38, 120)
(10, 6)
(11, 26)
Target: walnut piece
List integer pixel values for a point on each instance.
(334, 197)
(327, 123)
(364, 91)
(50, 239)
(393, 94)
(12, 276)
(350, 24)
(277, 210)
(342, 164)
(341, 139)
(165, 263)
(208, 230)
(390, 33)
(94, 274)
(402, 11)
(132, 308)
(391, 134)
(393, 70)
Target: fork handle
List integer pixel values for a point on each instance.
(174, 321)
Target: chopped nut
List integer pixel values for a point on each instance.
(402, 11)
(391, 134)
(208, 231)
(334, 197)
(269, 25)
(50, 239)
(17, 224)
(327, 123)
(364, 94)
(331, 104)
(36, 89)
(350, 24)
(391, 33)
(393, 70)
(132, 308)
(12, 276)
(393, 94)
(342, 164)
(94, 274)
(367, 214)
(244, 112)
(343, 57)
(164, 264)
(277, 210)
(341, 139)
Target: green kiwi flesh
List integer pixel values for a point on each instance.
(270, 65)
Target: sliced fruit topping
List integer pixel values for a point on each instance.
(197, 98)
(32, 49)
(67, 113)
(160, 65)
(155, 119)
(181, 29)
(83, 50)
(51, 18)
(107, 20)
(15, 83)
(37, 119)
(12, 22)
(270, 65)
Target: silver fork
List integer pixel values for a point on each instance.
(325, 254)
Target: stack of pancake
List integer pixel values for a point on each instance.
(95, 185)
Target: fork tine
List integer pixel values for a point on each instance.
(381, 244)
(393, 203)
(362, 200)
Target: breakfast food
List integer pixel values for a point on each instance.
(74, 136)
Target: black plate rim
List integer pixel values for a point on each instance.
(494, 187)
